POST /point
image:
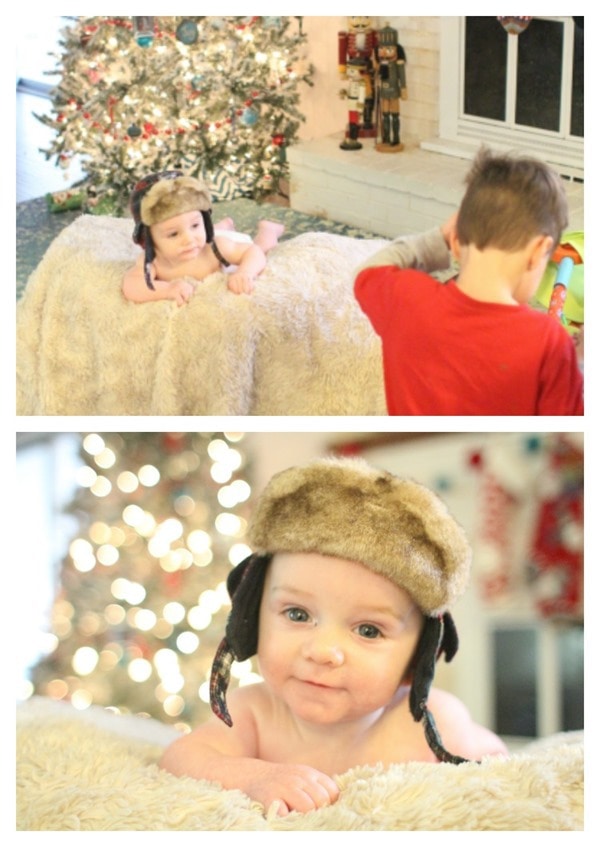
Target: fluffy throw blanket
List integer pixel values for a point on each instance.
(299, 345)
(97, 771)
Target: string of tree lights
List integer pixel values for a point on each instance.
(214, 96)
(142, 602)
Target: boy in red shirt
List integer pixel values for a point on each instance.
(473, 346)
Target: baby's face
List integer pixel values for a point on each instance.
(180, 238)
(335, 639)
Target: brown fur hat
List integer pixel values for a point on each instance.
(349, 509)
(170, 197)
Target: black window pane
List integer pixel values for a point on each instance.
(539, 75)
(570, 650)
(485, 68)
(515, 663)
(577, 88)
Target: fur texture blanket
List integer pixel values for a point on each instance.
(299, 345)
(97, 771)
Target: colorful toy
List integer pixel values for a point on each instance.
(561, 288)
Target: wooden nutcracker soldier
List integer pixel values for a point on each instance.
(390, 79)
(355, 61)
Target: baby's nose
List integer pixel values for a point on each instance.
(324, 647)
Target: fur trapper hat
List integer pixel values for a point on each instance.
(160, 196)
(170, 197)
(395, 527)
(346, 508)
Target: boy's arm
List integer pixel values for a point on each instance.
(426, 252)
(135, 289)
(561, 376)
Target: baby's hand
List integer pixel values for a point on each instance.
(289, 788)
(181, 291)
(240, 283)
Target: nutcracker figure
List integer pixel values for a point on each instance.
(355, 60)
(390, 84)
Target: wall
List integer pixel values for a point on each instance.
(326, 113)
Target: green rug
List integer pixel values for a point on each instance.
(37, 227)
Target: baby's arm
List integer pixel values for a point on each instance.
(250, 260)
(228, 755)
(135, 288)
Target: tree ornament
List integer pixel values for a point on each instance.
(212, 107)
(86, 34)
(143, 27)
(187, 32)
(515, 25)
(249, 117)
(279, 143)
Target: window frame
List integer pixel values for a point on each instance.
(461, 135)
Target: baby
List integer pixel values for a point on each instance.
(173, 225)
(345, 602)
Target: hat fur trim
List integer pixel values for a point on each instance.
(346, 508)
(170, 197)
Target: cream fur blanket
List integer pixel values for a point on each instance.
(299, 345)
(97, 771)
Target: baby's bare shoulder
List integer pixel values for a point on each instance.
(460, 734)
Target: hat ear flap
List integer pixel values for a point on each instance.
(208, 226)
(138, 235)
(439, 636)
(148, 257)
(245, 585)
(423, 668)
(449, 642)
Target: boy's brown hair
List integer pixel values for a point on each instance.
(510, 200)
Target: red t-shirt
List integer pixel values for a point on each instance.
(445, 353)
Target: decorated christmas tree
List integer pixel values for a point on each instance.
(213, 96)
(142, 603)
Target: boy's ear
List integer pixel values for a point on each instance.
(540, 250)
(455, 245)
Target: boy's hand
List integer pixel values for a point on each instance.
(293, 788)
(240, 283)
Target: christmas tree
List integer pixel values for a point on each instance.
(215, 97)
(143, 603)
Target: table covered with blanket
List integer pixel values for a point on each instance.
(298, 345)
(94, 770)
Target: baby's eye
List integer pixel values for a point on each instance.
(296, 615)
(368, 630)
